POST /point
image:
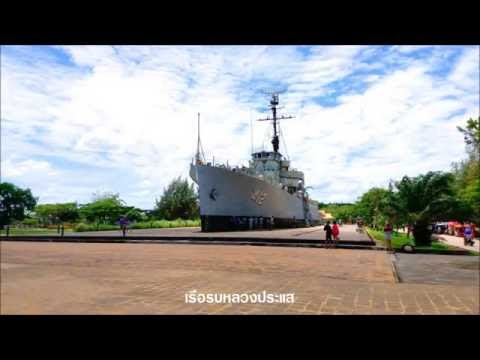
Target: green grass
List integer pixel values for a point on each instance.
(159, 224)
(81, 227)
(155, 224)
(400, 239)
(31, 231)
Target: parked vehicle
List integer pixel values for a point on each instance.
(440, 227)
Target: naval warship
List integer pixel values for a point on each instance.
(266, 194)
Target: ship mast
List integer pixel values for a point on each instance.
(273, 105)
(199, 156)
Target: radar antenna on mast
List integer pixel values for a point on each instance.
(274, 101)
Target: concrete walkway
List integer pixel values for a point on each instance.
(454, 241)
(347, 233)
(458, 242)
(439, 269)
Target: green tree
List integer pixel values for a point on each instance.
(467, 172)
(471, 135)
(389, 209)
(179, 200)
(55, 213)
(424, 199)
(105, 208)
(14, 201)
(346, 212)
(370, 206)
(135, 214)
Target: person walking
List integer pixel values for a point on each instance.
(468, 235)
(328, 234)
(335, 233)
(359, 228)
(123, 224)
(388, 230)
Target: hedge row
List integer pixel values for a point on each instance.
(157, 224)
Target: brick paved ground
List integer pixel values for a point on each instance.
(438, 269)
(66, 278)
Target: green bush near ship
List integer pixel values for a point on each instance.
(156, 224)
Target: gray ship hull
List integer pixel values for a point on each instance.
(231, 200)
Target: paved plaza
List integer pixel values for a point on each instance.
(458, 242)
(347, 232)
(90, 278)
(438, 269)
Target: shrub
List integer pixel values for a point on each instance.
(157, 224)
(94, 227)
(81, 227)
(30, 222)
(160, 224)
(104, 227)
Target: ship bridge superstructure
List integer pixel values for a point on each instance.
(273, 167)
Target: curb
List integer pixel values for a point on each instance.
(120, 239)
(393, 260)
(372, 239)
(199, 241)
(442, 252)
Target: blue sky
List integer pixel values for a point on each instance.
(83, 119)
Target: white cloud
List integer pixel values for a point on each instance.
(124, 119)
(407, 49)
(21, 168)
(465, 74)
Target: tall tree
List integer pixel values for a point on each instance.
(105, 208)
(370, 205)
(134, 214)
(426, 198)
(54, 213)
(471, 135)
(179, 200)
(467, 172)
(346, 212)
(13, 203)
(391, 209)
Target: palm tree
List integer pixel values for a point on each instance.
(424, 199)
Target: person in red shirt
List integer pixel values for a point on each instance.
(335, 232)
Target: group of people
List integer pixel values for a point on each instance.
(332, 234)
